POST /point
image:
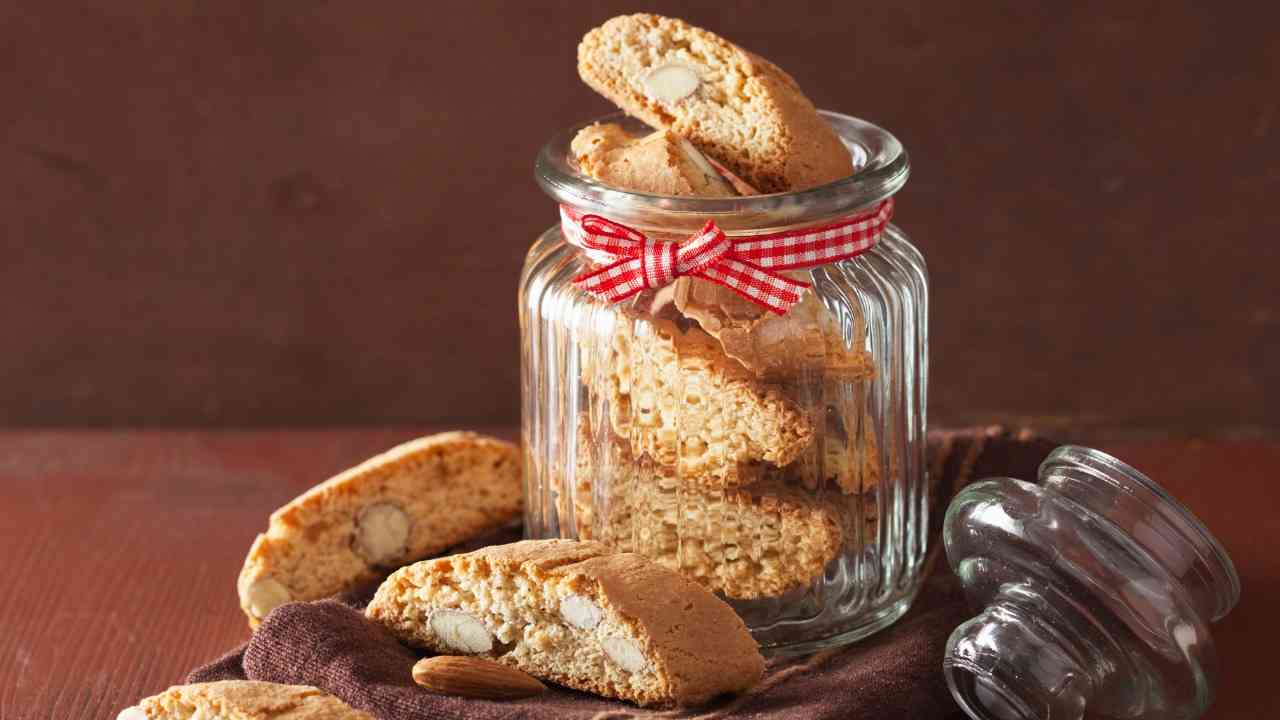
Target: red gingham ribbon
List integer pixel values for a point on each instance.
(634, 262)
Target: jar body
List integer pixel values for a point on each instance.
(777, 460)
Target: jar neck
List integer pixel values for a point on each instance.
(881, 169)
(1019, 661)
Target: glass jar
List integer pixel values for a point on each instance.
(776, 459)
(1097, 588)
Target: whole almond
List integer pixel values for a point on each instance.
(473, 677)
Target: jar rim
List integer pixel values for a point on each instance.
(1209, 555)
(880, 163)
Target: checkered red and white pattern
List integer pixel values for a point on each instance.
(633, 262)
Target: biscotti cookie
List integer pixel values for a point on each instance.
(415, 500)
(761, 540)
(850, 464)
(570, 612)
(806, 340)
(661, 163)
(734, 106)
(682, 402)
(242, 700)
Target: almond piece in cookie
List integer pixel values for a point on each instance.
(413, 501)
(661, 163)
(734, 106)
(242, 700)
(616, 625)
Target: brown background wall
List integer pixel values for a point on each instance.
(315, 213)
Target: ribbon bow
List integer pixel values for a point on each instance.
(634, 262)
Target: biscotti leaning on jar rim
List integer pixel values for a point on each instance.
(242, 700)
(661, 163)
(734, 106)
(574, 613)
(414, 500)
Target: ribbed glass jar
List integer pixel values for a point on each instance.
(778, 460)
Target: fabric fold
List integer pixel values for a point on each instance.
(893, 674)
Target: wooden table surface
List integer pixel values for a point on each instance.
(119, 552)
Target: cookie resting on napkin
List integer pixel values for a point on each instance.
(893, 674)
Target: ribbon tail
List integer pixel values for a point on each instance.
(772, 291)
(614, 282)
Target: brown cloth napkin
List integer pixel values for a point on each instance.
(894, 674)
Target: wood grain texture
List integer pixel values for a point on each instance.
(247, 213)
(119, 552)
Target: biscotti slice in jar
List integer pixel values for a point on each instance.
(675, 395)
(570, 612)
(242, 700)
(734, 106)
(849, 459)
(762, 540)
(410, 502)
(661, 163)
(805, 343)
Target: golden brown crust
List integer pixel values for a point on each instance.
(703, 644)
(761, 540)
(247, 700)
(678, 399)
(447, 488)
(661, 163)
(745, 112)
(688, 646)
(805, 343)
